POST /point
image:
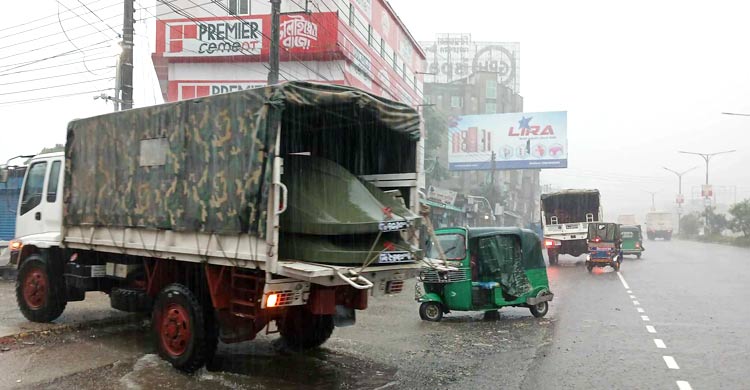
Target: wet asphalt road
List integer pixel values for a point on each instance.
(594, 337)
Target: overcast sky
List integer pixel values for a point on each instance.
(639, 79)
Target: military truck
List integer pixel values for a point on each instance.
(287, 205)
(565, 216)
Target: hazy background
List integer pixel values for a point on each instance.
(639, 79)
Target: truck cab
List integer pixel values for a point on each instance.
(39, 212)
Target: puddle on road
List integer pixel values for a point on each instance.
(260, 365)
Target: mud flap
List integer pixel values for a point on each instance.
(345, 316)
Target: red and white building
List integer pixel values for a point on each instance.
(207, 47)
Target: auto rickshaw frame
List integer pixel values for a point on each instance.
(460, 289)
(604, 250)
(632, 245)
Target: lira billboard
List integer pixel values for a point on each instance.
(524, 140)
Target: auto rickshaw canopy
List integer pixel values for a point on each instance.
(504, 254)
(604, 232)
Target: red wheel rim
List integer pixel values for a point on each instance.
(175, 329)
(35, 288)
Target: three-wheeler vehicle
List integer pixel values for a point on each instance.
(632, 240)
(490, 267)
(604, 244)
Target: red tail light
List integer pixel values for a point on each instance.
(597, 239)
(638, 245)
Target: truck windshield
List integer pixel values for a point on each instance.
(454, 246)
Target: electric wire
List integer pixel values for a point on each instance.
(39, 99)
(40, 19)
(55, 86)
(54, 77)
(100, 19)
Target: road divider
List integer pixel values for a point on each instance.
(660, 343)
(671, 363)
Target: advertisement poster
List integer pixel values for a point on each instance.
(524, 140)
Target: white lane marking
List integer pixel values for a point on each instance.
(636, 303)
(645, 318)
(671, 363)
(630, 291)
(632, 297)
(684, 385)
(660, 343)
(640, 309)
(624, 283)
(650, 329)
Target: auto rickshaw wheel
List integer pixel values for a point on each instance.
(638, 256)
(431, 311)
(589, 267)
(616, 265)
(539, 310)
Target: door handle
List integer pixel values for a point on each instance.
(38, 216)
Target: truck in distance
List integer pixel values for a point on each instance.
(565, 216)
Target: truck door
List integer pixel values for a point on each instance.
(52, 200)
(30, 207)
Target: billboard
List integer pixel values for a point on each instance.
(455, 56)
(523, 140)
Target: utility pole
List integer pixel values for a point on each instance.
(126, 58)
(653, 199)
(273, 60)
(679, 195)
(707, 199)
(493, 158)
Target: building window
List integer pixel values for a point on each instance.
(239, 7)
(490, 107)
(427, 99)
(382, 47)
(369, 35)
(457, 101)
(403, 70)
(351, 15)
(395, 65)
(491, 89)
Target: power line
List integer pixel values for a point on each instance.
(45, 47)
(34, 100)
(52, 23)
(36, 20)
(25, 63)
(97, 16)
(55, 66)
(52, 34)
(55, 76)
(56, 86)
(69, 40)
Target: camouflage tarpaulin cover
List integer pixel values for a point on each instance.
(198, 165)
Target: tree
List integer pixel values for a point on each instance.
(56, 148)
(436, 137)
(740, 213)
(690, 224)
(716, 222)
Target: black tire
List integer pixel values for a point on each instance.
(553, 256)
(303, 330)
(539, 310)
(431, 311)
(638, 256)
(616, 265)
(130, 300)
(184, 330)
(590, 268)
(491, 315)
(40, 290)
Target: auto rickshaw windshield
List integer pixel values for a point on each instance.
(453, 245)
(604, 231)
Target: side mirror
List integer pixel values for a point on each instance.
(4, 175)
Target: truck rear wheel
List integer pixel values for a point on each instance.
(302, 330)
(184, 331)
(40, 290)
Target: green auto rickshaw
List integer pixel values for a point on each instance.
(490, 267)
(632, 240)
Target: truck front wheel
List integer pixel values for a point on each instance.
(40, 290)
(183, 328)
(302, 330)
(553, 256)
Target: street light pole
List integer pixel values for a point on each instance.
(707, 158)
(679, 195)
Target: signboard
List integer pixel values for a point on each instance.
(441, 195)
(680, 199)
(301, 35)
(190, 90)
(527, 140)
(707, 191)
(454, 56)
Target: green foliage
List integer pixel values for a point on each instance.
(716, 221)
(690, 225)
(436, 137)
(56, 148)
(740, 221)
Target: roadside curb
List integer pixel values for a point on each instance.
(62, 329)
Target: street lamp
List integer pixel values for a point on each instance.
(679, 195)
(707, 158)
(653, 199)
